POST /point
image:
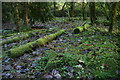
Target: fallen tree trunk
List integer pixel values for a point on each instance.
(86, 26)
(16, 52)
(20, 37)
(7, 35)
(81, 28)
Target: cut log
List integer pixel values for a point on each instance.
(20, 37)
(16, 52)
(78, 29)
(81, 28)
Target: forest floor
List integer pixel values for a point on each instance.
(92, 54)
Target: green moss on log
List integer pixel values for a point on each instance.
(16, 52)
(8, 35)
(86, 26)
(20, 37)
(81, 28)
(78, 29)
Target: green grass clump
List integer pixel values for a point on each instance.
(55, 60)
(101, 66)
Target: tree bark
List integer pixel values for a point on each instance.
(26, 13)
(17, 22)
(92, 12)
(112, 16)
(71, 9)
(83, 11)
(54, 8)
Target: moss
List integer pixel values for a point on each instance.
(81, 28)
(20, 37)
(54, 60)
(53, 64)
(78, 29)
(16, 52)
(86, 26)
(8, 35)
(20, 50)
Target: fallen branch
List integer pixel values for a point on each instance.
(16, 52)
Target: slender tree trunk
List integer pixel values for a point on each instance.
(92, 12)
(54, 8)
(17, 18)
(63, 6)
(62, 10)
(111, 23)
(112, 16)
(68, 12)
(71, 9)
(83, 11)
(26, 13)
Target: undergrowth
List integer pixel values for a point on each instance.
(101, 61)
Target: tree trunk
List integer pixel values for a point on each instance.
(17, 22)
(83, 11)
(26, 13)
(54, 8)
(71, 9)
(112, 16)
(92, 12)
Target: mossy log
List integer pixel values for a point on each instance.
(81, 28)
(86, 26)
(16, 52)
(78, 29)
(7, 35)
(20, 37)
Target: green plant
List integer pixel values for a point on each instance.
(53, 60)
(25, 28)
